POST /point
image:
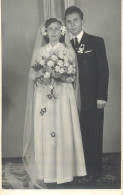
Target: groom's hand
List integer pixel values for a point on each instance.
(101, 104)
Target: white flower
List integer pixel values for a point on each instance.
(74, 77)
(61, 55)
(65, 59)
(50, 63)
(74, 65)
(66, 64)
(54, 51)
(46, 55)
(70, 69)
(62, 70)
(51, 86)
(47, 75)
(73, 71)
(70, 59)
(81, 48)
(54, 58)
(63, 30)
(43, 31)
(42, 62)
(57, 69)
(60, 63)
(71, 79)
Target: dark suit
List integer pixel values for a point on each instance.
(93, 78)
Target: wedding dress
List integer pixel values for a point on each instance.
(58, 151)
(52, 146)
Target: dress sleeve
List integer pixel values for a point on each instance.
(34, 59)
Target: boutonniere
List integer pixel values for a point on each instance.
(81, 48)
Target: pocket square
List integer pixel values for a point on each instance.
(88, 51)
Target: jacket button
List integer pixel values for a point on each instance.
(85, 61)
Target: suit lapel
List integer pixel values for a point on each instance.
(84, 38)
(84, 41)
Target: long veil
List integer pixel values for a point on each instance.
(26, 176)
(23, 175)
(28, 137)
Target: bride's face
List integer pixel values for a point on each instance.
(54, 31)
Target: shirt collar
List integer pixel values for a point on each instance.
(79, 36)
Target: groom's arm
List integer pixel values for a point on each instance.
(103, 73)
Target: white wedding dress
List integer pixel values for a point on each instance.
(58, 150)
(52, 141)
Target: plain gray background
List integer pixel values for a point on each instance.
(20, 22)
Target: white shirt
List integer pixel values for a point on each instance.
(79, 36)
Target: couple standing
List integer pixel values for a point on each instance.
(64, 114)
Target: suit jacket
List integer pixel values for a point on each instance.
(93, 70)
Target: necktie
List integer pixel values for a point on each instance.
(75, 42)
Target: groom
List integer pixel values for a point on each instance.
(93, 78)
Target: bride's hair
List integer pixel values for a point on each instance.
(50, 21)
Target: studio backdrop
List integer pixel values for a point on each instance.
(20, 21)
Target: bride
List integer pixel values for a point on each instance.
(52, 147)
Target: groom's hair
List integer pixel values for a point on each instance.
(74, 9)
(47, 23)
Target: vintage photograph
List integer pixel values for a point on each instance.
(61, 94)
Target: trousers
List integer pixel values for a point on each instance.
(91, 122)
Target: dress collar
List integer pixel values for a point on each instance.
(55, 46)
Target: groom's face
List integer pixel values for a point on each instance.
(74, 23)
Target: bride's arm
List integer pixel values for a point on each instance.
(33, 74)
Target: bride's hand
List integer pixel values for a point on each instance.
(67, 39)
(53, 73)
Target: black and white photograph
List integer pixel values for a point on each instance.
(61, 94)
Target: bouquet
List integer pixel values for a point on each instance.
(56, 62)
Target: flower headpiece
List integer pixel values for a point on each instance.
(63, 30)
(43, 31)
